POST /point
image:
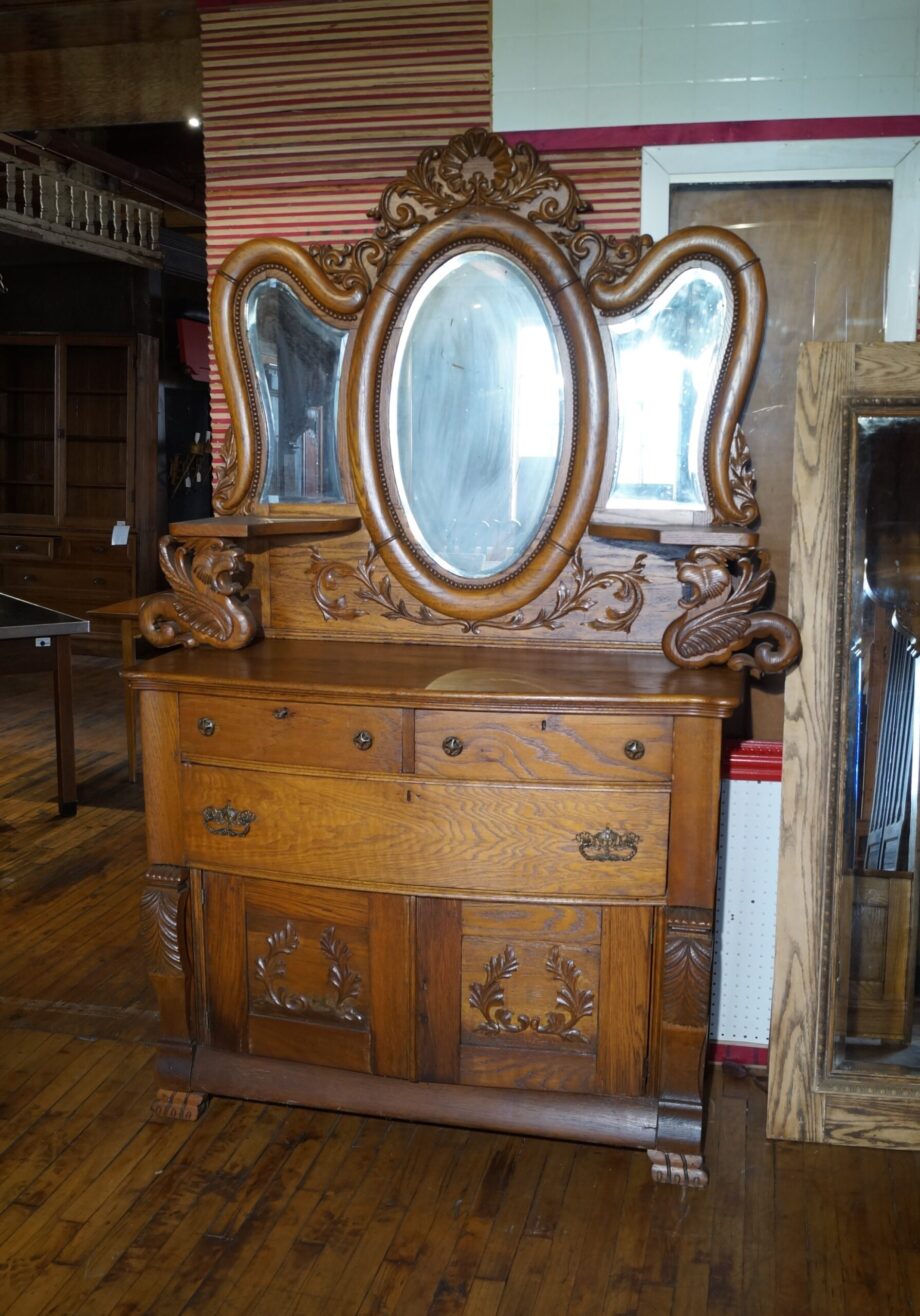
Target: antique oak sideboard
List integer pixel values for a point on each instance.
(432, 766)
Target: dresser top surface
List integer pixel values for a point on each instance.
(437, 676)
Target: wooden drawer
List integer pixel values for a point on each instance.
(27, 547)
(406, 834)
(99, 552)
(106, 582)
(287, 732)
(551, 747)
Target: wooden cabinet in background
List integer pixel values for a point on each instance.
(78, 425)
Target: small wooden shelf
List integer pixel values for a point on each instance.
(24, 388)
(679, 536)
(40, 484)
(28, 438)
(96, 393)
(261, 527)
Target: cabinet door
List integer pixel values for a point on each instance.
(540, 996)
(28, 424)
(304, 973)
(98, 421)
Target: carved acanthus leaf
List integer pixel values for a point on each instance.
(271, 970)
(226, 481)
(331, 580)
(576, 1002)
(160, 921)
(725, 585)
(206, 605)
(742, 480)
(478, 167)
(686, 975)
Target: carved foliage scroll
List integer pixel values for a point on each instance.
(343, 981)
(207, 604)
(725, 585)
(332, 581)
(575, 1002)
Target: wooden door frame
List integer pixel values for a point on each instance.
(807, 1102)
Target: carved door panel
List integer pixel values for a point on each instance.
(552, 997)
(310, 974)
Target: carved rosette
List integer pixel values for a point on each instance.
(725, 585)
(575, 1002)
(207, 604)
(162, 910)
(271, 970)
(332, 581)
(687, 969)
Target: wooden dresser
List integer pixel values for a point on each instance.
(432, 817)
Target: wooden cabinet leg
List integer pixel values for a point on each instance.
(179, 1105)
(686, 978)
(678, 1168)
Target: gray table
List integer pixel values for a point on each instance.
(35, 639)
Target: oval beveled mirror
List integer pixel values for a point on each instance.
(476, 419)
(666, 358)
(477, 414)
(297, 361)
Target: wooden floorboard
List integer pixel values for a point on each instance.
(272, 1210)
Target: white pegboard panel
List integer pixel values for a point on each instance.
(742, 984)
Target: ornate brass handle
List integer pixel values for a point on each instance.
(227, 821)
(363, 740)
(452, 746)
(206, 726)
(608, 846)
(281, 713)
(634, 749)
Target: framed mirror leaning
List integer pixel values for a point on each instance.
(843, 1055)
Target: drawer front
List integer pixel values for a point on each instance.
(27, 547)
(443, 837)
(99, 552)
(102, 584)
(287, 732)
(552, 747)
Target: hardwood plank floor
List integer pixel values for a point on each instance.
(265, 1209)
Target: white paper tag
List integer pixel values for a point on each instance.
(120, 532)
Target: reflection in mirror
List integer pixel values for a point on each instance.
(297, 359)
(878, 882)
(666, 364)
(476, 413)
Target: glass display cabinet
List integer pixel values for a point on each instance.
(432, 768)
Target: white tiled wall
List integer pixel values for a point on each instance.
(585, 63)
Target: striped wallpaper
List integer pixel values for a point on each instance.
(311, 108)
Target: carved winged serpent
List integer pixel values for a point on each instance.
(725, 585)
(206, 604)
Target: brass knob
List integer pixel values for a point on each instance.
(452, 746)
(206, 726)
(634, 749)
(363, 740)
(98, 580)
(281, 713)
(27, 579)
(19, 548)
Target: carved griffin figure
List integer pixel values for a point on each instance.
(206, 604)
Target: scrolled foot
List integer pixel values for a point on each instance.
(678, 1168)
(180, 1105)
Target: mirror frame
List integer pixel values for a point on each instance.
(583, 450)
(237, 491)
(480, 187)
(808, 1100)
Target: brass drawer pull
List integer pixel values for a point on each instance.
(634, 749)
(452, 746)
(206, 726)
(98, 580)
(227, 821)
(363, 740)
(608, 846)
(27, 579)
(19, 548)
(281, 713)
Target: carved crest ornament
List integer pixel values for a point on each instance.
(478, 172)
